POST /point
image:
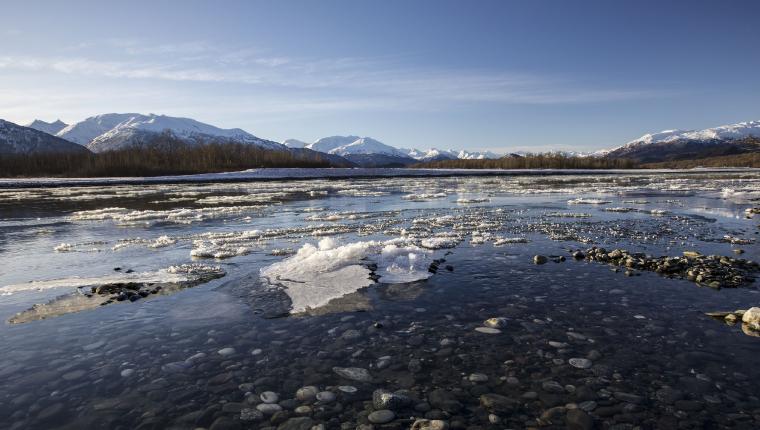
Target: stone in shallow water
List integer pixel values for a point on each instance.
(326, 396)
(353, 373)
(269, 397)
(488, 330)
(381, 417)
(498, 322)
(269, 408)
(580, 363)
(226, 351)
(307, 394)
(299, 423)
(384, 399)
(126, 373)
(478, 377)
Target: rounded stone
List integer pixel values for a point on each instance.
(580, 363)
(269, 408)
(326, 396)
(307, 394)
(478, 377)
(126, 373)
(382, 416)
(487, 330)
(497, 322)
(269, 397)
(226, 351)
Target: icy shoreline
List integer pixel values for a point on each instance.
(269, 174)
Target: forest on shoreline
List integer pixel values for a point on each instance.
(156, 161)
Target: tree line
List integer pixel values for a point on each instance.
(180, 159)
(534, 161)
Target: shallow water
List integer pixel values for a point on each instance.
(656, 360)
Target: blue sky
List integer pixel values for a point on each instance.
(498, 75)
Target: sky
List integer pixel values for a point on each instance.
(481, 75)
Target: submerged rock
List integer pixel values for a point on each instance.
(353, 373)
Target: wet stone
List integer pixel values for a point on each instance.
(381, 417)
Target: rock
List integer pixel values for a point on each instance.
(579, 255)
(307, 394)
(269, 408)
(126, 373)
(269, 397)
(423, 424)
(383, 399)
(752, 316)
(553, 387)
(488, 330)
(303, 410)
(224, 423)
(577, 419)
(382, 416)
(299, 423)
(498, 322)
(539, 259)
(226, 351)
(630, 398)
(249, 414)
(580, 363)
(353, 373)
(444, 400)
(478, 377)
(498, 404)
(326, 396)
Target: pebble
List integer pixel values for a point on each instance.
(126, 373)
(326, 396)
(488, 330)
(478, 377)
(307, 394)
(539, 259)
(269, 397)
(580, 363)
(382, 416)
(269, 408)
(498, 322)
(226, 351)
(353, 373)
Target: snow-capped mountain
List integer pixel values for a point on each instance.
(119, 131)
(361, 150)
(294, 143)
(47, 127)
(327, 144)
(725, 132)
(434, 154)
(691, 144)
(16, 139)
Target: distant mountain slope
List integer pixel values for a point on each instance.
(47, 127)
(120, 131)
(369, 152)
(670, 145)
(16, 139)
(294, 143)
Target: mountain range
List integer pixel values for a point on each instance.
(673, 145)
(114, 131)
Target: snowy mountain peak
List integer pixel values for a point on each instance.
(294, 143)
(117, 131)
(725, 132)
(367, 145)
(327, 144)
(47, 127)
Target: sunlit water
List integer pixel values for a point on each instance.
(200, 356)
